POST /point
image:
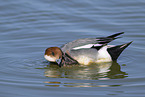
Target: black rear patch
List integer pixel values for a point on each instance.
(116, 51)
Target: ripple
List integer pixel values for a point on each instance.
(18, 74)
(28, 27)
(130, 82)
(59, 84)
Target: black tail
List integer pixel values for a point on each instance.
(116, 50)
(114, 35)
(105, 40)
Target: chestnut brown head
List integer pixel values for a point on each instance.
(53, 54)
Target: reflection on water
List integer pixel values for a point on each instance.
(103, 71)
(59, 84)
(93, 72)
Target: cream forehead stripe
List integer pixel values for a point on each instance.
(51, 59)
(86, 46)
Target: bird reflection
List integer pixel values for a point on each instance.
(102, 71)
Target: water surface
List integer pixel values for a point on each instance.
(28, 27)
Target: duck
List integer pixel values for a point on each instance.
(86, 51)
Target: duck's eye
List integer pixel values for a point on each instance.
(53, 53)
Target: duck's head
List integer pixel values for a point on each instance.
(53, 54)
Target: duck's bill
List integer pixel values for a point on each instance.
(58, 61)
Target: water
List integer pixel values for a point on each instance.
(28, 27)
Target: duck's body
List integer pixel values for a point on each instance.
(86, 51)
(86, 55)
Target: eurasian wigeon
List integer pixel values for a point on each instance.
(85, 51)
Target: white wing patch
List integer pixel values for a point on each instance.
(86, 46)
